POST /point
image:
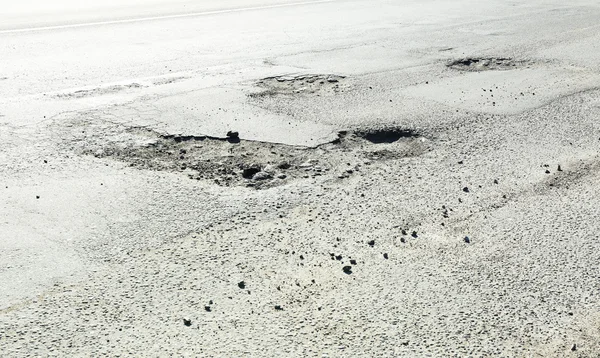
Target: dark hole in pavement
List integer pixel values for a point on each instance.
(389, 135)
(248, 173)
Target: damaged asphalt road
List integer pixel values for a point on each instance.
(420, 181)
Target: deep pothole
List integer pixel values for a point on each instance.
(240, 162)
(477, 64)
(307, 84)
(385, 135)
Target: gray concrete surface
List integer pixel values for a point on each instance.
(411, 179)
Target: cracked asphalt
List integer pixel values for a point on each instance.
(284, 179)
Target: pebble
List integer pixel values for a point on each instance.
(187, 322)
(262, 175)
(347, 270)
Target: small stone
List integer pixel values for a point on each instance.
(385, 256)
(574, 348)
(242, 285)
(495, 181)
(278, 308)
(371, 243)
(467, 240)
(187, 322)
(352, 262)
(402, 240)
(207, 308)
(270, 168)
(559, 168)
(281, 176)
(465, 189)
(414, 234)
(347, 270)
(233, 134)
(262, 175)
(37, 196)
(547, 171)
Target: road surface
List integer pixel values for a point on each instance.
(414, 178)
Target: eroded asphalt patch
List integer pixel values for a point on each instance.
(478, 64)
(233, 161)
(305, 84)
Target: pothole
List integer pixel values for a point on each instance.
(310, 84)
(242, 162)
(476, 64)
(386, 135)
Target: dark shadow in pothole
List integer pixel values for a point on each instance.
(478, 64)
(386, 135)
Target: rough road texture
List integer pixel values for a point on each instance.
(452, 210)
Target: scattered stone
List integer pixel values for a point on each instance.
(559, 168)
(402, 240)
(347, 270)
(37, 196)
(465, 189)
(242, 285)
(278, 308)
(574, 348)
(414, 234)
(353, 262)
(233, 134)
(262, 175)
(547, 171)
(281, 176)
(385, 256)
(371, 243)
(467, 240)
(339, 257)
(187, 322)
(207, 308)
